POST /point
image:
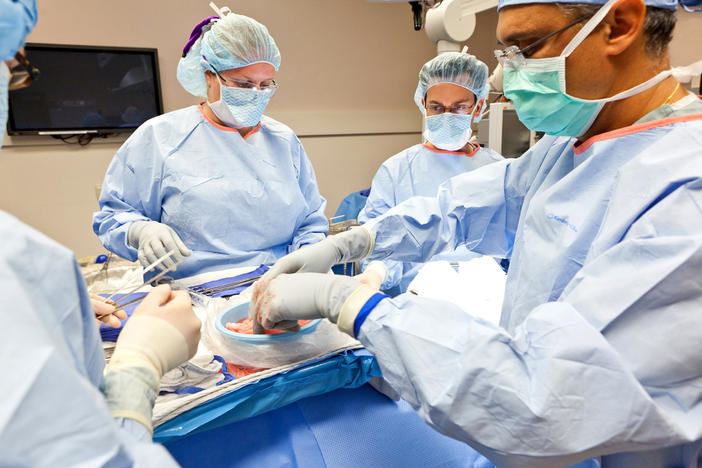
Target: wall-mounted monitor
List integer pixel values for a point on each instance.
(84, 89)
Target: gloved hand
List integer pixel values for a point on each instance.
(154, 240)
(162, 333)
(100, 308)
(374, 275)
(348, 246)
(289, 298)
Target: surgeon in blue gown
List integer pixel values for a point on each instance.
(58, 409)
(451, 95)
(597, 353)
(219, 183)
(60, 406)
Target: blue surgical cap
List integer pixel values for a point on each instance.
(234, 41)
(17, 19)
(459, 68)
(669, 4)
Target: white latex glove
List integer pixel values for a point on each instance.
(374, 275)
(153, 240)
(100, 308)
(289, 298)
(351, 245)
(162, 333)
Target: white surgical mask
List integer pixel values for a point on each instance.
(239, 107)
(448, 131)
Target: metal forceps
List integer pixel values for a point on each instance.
(223, 287)
(149, 268)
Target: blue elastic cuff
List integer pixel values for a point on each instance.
(365, 310)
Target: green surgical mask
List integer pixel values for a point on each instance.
(537, 87)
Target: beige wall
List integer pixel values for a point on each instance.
(348, 73)
(685, 48)
(347, 77)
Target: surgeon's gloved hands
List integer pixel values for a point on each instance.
(351, 245)
(104, 309)
(374, 275)
(162, 333)
(348, 246)
(153, 240)
(289, 298)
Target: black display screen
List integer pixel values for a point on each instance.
(80, 88)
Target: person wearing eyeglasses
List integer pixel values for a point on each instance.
(219, 183)
(451, 96)
(597, 353)
(61, 405)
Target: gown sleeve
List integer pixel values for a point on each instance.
(612, 366)
(53, 411)
(130, 191)
(479, 209)
(380, 200)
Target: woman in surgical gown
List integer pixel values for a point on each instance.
(219, 179)
(451, 95)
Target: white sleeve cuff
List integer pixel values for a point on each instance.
(371, 235)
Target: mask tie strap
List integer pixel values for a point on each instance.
(588, 28)
(680, 73)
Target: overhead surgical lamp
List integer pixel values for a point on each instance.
(449, 22)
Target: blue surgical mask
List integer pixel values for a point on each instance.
(240, 107)
(537, 89)
(448, 131)
(4, 82)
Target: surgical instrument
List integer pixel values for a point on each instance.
(158, 262)
(223, 287)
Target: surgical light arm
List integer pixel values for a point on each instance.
(449, 22)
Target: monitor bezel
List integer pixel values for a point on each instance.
(151, 51)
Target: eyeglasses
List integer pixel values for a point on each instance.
(463, 109)
(22, 74)
(518, 56)
(267, 85)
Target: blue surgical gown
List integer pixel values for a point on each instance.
(17, 19)
(418, 171)
(53, 412)
(598, 352)
(234, 201)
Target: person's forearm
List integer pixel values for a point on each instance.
(469, 209)
(551, 394)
